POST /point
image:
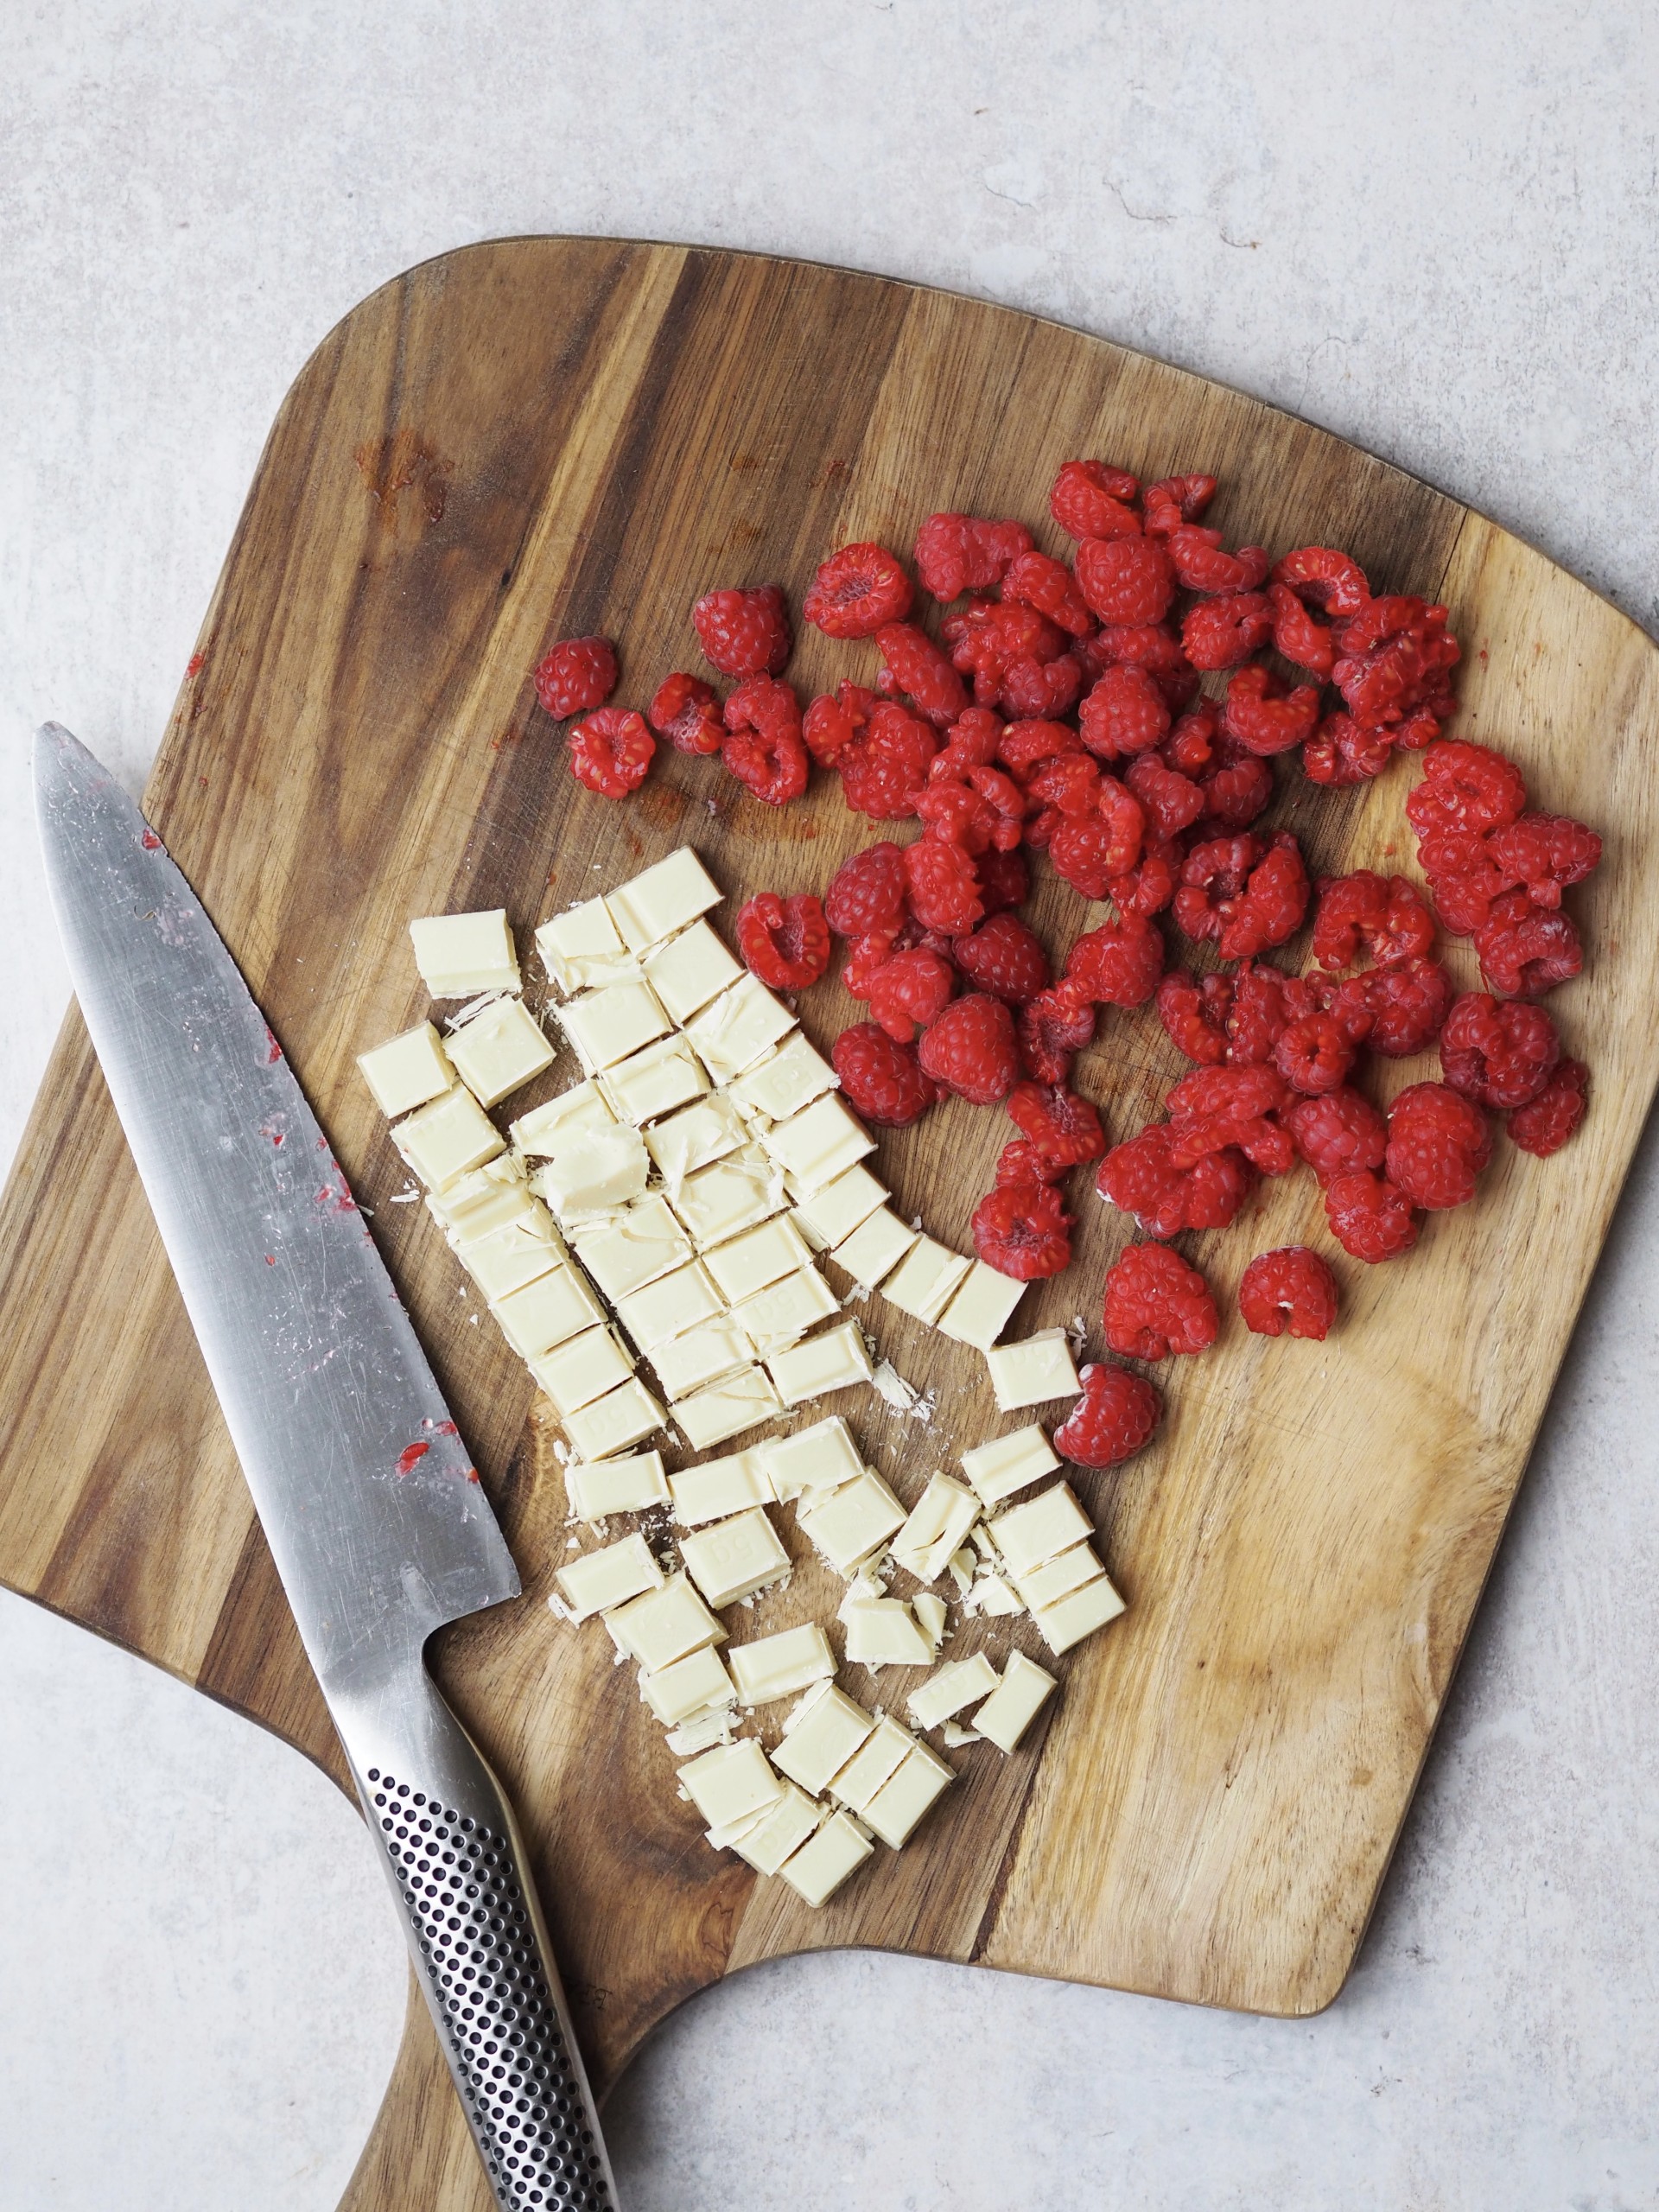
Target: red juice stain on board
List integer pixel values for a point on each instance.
(410, 1456)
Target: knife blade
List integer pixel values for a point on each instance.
(378, 1523)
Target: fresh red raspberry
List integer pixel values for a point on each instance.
(1462, 875)
(786, 942)
(687, 713)
(610, 751)
(1297, 634)
(1369, 1216)
(1340, 754)
(764, 748)
(1524, 950)
(1291, 1291)
(1338, 1135)
(986, 640)
(915, 666)
(1215, 1108)
(1151, 645)
(1465, 787)
(1004, 880)
(1040, 581)
(884, 770)
(1032, 687)
(1386, 915)
(958, 553)
(1265, 719)
(1115, 1416)
(1244, 894)
(1314, 1054)
(829, 725)
(1542, 853)
(1405, 1006)
(909, 992)
(577, 674)
(1126, 580)
(1170, 801)
(1023, 1229)
(1394, 657)
(744, 632)
(1201, 564)
(1437, 1144)
(1260, 1006)
(1089, 500)
(1221, 633)
(1175, 499)
(970, 1050)
(1064, 1128)
(1147, 888)
(866, 893)
(1544, 1125)
(971, 740)
(1194, 1014)
(1008, 805)
(1328, 579)
(942, 887)
(1027, 747)
(1004, 957)
(856, 591)
(1157, 1305)
(879, 1078)
(1120, 963)
(1123, 714)
(1051, 1029)
(1141, 1178)
(1020, 1161)
(866, 957)
(952, 809)
(1193, 748)
(1092, 853)
(1499, 1053)
(1070, 783)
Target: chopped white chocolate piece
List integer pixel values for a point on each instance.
(832, 1214)
(890, 1384)
(981, 1308)
(898, 1804)
(694, 1137)
(499, 1050)
(726, 1408)
(954, 1736)
(777, 1666)
(819, 1459)
(1033, 1370)
(788, 1079)
(958, 1684)
(930, 1616)
(664, 1625)
(612, 1423)
(690, 970)
(654, 1082)
(724, 1785)
(1070, 1619)
(718, 1202)
(626, 1250)
(1027, 1535)
(926, 1279)
(883, 1632)
(545, 1130)
(1059, 1576)
(547, 1314)
(670, 1306)
(580, 1369)
(961, 1567)
(782, 1829)
(825, 1859)
(702, 1355)
(720, 1488)
(515, 1252)
(993, 1597)
(446, 1139)
(407, 1071)
(938, 1522)
(760, 1255)
(630, 1486)
(595, 1173)
(601, 1580)
(702, 1731)
(883, 1753)
(1008, 1463)
(742, 1023)
(688, 1686)
(582, 950)
(830, 1362)
(459, 954)
(853, 1521)
(478, 1203)
(666, 897)
(1014, 1704)
(819, 1143)
(734, 1558)
(820, 1736)
(875, 1247)
(979, 1537)
(606, 1026)
(729, 1834)
(780, 1315)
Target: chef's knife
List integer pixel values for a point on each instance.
(376, 1521)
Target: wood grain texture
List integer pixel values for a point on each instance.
(547, 436)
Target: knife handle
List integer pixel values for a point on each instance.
(457, 1866)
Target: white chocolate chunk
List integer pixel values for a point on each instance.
(734, 1558)
(961, 1566)
(1008, 1463)
(664, 1625)
(1033, 1370)
(630, 1486)
(652, 1083)
(730, 1834)
(936, 1524)
(777, 1666)
(820, 1734)
(882, 1755)
(479, 1202)
(832, 1214)
(737, 1402)
(1027, 1535)
(459, 954)
(407, 1071)
(595, 1173)
(700, 1732)
(547, 1314)
(898, 1804)
(1070, 1619)
(631, 1248)
(606, 1026)
(824, 1861)
(669, 1307)
(727, 1783)
(499, 1050)
(981, 1307)
(612, 1423)
(694, 1137)
(785, 1082)
(890, 1384)
(717, 1203)
(759, 1256)
(853, 1523)
(875, 1247)
(582, 950)
(883, 1632)
(688, 1686)
(831, 1362)
(690, 970)
(819, 1143)
(954, 1737)
(719, 1488)
(781, 1830)
(926, 1279)
(580, 1369)
(738, 1028)
(818, 1459)
(664, 898)
(958, 1684)
(602, 1579)
(994, 1598)
(514, 1253)
(781, 1314)
(702, 1355)
(1059, 1576)
(545, 1130)
(1014, 1704)
(930, 1616)
(446, 1140)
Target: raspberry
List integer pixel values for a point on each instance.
(1526, 950)
(1023, 1229)
(1387, 916)
(958, 553)
(971, 741)
(1369, 1216)
(1175, 499)
(1462, 876)
(1465, 787)
(1123, 714)
(1170, 801)
(1070, 783)
(1089, 500)
(915, 666)
(1500, 1053)
(1194, 1015)
(1201, 565)
(856, 591)
(866, 958)
(829, 725)
(1038, 580)
(1020, 1161)
(1149, 887)
(1064, 1128)
(1290, 1291)
(1053, 1027)
(1157, 1305)
(986, 640)
(1544, 1125)
(1026, 746)
(1405, 1006)
(1004, 880)
(744, 632)
(1331, 580)
(1234, 794)
(1338, 1135)
(610, 751)
(1263, 717)
(1542, 853)
(1089, 853)
(1297, 635)
(970, 1050)
(1263, 1004)
(1244, 894)
(687, 713)
(1314, 1054)
(1340, 754)
(763, 747)
(786, 942)
(1126, 580)
(1117, 1413)
(1004, 957)
(866, 893)
(879, 1077)
(941, 886)
(1394, 657)
(1120, 963)
(1222, 632)
(1139, 1177)
(909, 992)
(1032, 687)
(884, 769)
(953, 810)
(1437, 1144)
(577, 674)
(1151, 645)
(1215, 1108)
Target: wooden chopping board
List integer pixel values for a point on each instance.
(550, 437)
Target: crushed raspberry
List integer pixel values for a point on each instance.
(1117, 1413)
(986, 640)
(1499, 1053)
(1369, 1216)
(970, 1050)
(1175, 499)
(910, 991)
(1385, 915)
(1064, 1128)
(1399, 1010)
(1123, 714)
(884, 769)
(1393, 657)
(1465, 787)
(1297, 634)
(1126, 580)
(744, 632)
(1314, 1054)
(1340, 754)
(942, 887)
(1526, 950)
(1089, 500)
(1051, 1029)
(1040, 581)
(1141, 1178)
(1544, 1125)
(856, 591)
(786, 942)
(879, 1077)
(1023, 1229)
(916, 666)
(1034, 687)
(1244, 894)
(577, 674)
(611, 750)
(764, 748)
(1542, 853)
(1338, 1134)
(1120, 963)
(1157, 1305)
(1437, 1144)
(1089, 853)
(1290, 1291)
(958, 553)
(687, 713)
(1004, 957)
(1194, 1014)
(1321, 576)
(1221, 633)
(1020, 1161)
(1263, 717)
(1004, 880)
(1202, 565)
(866, 893)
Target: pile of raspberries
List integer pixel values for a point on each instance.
(1061, 711)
